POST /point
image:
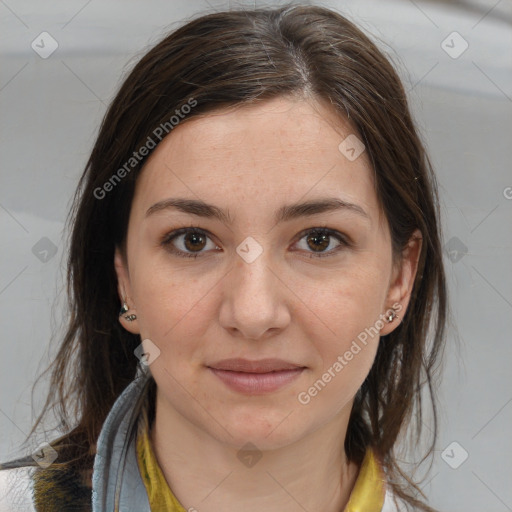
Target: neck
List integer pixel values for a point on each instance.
(208, 475)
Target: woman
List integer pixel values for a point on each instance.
(259, 206)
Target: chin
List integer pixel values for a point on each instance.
(266, 430)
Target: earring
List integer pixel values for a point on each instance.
(391, 315)
(124, 309)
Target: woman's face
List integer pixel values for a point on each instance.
(267, 333)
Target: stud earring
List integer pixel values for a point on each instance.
(124, 309)
(391, 315)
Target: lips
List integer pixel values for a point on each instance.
(255, 377)
(260, 366)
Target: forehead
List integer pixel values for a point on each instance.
(249, 158)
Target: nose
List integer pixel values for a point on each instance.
(254, 299)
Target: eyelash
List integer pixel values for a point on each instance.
(169, 237)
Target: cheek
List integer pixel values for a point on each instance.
(177, 310)
(345, 329)
(344, 358)
(349, 302)
(171, 306)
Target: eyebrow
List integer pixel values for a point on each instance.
(285, 213)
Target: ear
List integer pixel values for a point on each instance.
(125, 292)
(402, 282)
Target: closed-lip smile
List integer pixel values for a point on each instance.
(255, 377)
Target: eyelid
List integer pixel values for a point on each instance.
(168, 238)
(343, 239)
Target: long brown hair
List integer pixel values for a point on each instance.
(227, 59)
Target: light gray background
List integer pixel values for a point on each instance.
(51, 109)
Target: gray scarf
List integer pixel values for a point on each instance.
(117, 485)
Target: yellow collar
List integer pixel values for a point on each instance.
(369, 490)
(367, 494)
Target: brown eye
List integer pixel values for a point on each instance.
(186, 242)
(194, 241)
(318, 240)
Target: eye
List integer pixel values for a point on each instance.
(320, 239)
(194, 239)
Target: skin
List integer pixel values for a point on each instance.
(284, 304)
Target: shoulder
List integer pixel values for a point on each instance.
(392, 503)
(16, 488)
(25, 487)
